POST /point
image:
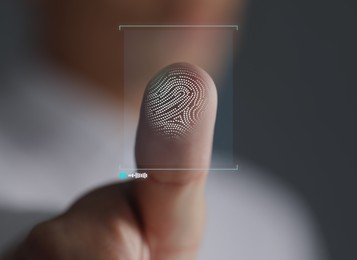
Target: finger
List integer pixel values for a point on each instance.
(174, 140)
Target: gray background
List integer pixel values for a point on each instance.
(297, 106)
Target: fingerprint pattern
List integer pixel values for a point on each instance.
(175, 100)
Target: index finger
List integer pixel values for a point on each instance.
(173, 145)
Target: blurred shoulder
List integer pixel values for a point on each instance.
(258, 217)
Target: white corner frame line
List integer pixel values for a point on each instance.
(236, 27)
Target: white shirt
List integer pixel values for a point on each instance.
(57, 143)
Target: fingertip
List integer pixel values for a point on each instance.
(178, 99)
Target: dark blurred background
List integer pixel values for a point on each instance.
(297, 106)
(296, 74)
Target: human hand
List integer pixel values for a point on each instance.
(160, 218)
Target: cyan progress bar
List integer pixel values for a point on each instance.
(180, 169)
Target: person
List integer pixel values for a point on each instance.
(59, 138)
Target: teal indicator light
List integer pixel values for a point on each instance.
(123, 175)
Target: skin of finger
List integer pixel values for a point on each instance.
(172, 202)
(191, 151)
(173, 231)
(101, 225)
